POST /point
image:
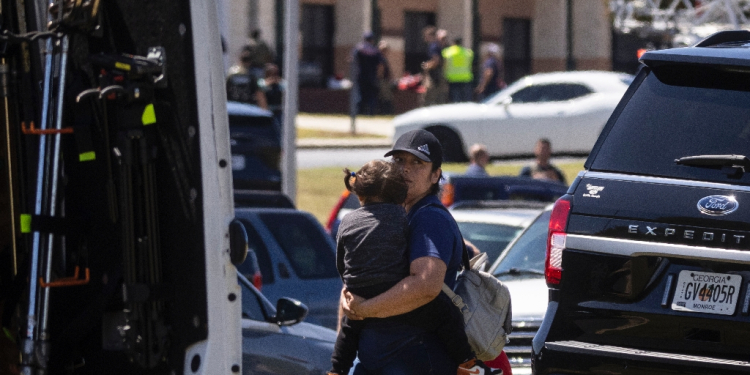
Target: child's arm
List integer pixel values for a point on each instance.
(341, 309)
(345, 349)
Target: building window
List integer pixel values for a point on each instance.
(415, 49)
(317, 44)
(517, 46)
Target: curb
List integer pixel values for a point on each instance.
(346, 143)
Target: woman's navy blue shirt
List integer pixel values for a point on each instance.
(433, 233)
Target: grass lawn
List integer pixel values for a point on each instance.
(314, 133)
(319, 189)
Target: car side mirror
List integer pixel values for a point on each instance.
(289, 311)
(237, 242)
(506, 101)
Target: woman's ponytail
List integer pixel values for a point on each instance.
(349, 179)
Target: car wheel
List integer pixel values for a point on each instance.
(453, 148)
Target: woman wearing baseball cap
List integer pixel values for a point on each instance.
(435, 251)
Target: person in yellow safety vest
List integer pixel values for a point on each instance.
(457, 71)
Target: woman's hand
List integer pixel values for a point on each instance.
(349, 304)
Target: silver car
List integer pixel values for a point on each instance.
(276, 341)
(521, 268)
(297, 259)
(492, 225)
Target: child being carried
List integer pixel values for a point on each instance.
(372, 256)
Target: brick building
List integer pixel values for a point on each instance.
(533, 33)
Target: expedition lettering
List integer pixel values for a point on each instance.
(686, 234)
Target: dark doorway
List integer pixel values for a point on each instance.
(317, 44)
(517, 45)
(415, 49)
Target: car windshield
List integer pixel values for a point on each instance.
(489, 238)
(305, 244)
(525, 258)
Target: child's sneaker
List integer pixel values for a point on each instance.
(471, 367)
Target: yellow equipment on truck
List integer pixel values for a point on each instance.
(116, 216)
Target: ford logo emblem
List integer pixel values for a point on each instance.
(717, 205)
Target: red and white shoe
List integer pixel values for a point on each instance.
(471, 367)
(477, 367)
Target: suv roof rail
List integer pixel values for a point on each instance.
(725, 37)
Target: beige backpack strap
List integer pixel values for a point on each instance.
(455, 298)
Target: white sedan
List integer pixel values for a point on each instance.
(568, 108)
(492, 225)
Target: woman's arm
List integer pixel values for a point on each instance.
(260, 98)
(486, 76)
(422, 286)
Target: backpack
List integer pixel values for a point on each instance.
(484, 302)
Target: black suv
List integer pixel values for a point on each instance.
(648, 254)
(255, 140)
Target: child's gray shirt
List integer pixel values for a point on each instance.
(371, 245)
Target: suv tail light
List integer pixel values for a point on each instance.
(556, 237)
(447, 195)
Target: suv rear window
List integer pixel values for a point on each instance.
(678, 112)
(304, 243)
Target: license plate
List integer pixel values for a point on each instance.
(706, 292)
(238, 162)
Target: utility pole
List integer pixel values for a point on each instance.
(291, 73)
(377, 30)
(571, 62)
(353, 98)
(279, 28)
(476, 41)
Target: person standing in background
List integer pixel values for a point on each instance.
(368, 59)
(458, 61)
(479, 158)
(542, 168)
(385, 94)
(436, 90)
(242, 84)
(273, 87)
(260, 54)
(491, 80)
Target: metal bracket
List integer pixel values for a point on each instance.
(68, 281)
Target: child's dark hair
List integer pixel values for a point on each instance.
(379, 179)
